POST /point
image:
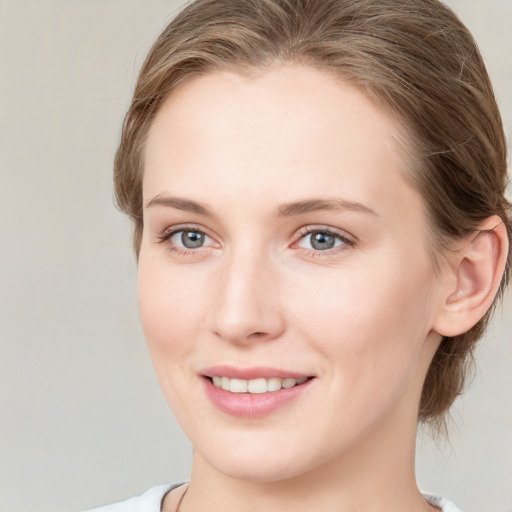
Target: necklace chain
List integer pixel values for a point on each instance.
(181, 499)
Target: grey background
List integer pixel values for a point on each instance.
(82, 420)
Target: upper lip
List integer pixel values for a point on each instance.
(248, 373)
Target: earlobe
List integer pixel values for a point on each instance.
(475, 275)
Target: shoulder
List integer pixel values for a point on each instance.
(442, 503)
(149, 501)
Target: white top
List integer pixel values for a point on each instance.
(151, 501)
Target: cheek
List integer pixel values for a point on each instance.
(172, 314)
(171, 308)
(371, 334)
(368, 320)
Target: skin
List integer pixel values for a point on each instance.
(360, 318)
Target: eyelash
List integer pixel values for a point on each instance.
(170, 232)
(304, 232)
(346, 241)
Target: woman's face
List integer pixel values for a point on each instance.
(282, 247)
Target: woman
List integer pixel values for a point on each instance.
(317, 189)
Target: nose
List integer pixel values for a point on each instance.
(247, 304)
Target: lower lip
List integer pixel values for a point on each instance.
(252, 405)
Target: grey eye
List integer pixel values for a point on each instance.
(321, 240)
(188, 239)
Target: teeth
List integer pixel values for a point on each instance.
(288, 383)
(255, 386)
(238, 385)
(274, 384)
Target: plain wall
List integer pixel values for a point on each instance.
(83, 421)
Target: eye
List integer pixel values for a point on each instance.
(322, 240)
(188, 239)
(184, 239)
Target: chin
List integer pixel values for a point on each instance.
(258, 469)
(261, 459)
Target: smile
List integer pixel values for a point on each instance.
(256, 386)
(253, 392)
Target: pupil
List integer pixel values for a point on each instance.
(192, 239)
(322, 241)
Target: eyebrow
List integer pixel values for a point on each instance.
(285, 210)
(180, 204)
(312, 205)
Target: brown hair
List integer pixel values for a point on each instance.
(414, 56)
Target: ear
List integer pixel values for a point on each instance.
(472, 278)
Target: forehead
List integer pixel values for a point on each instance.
(279, 93)
(288, 125)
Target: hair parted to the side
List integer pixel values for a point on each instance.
(414, 57)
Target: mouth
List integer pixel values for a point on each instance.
(256, 386)
(253, 392)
